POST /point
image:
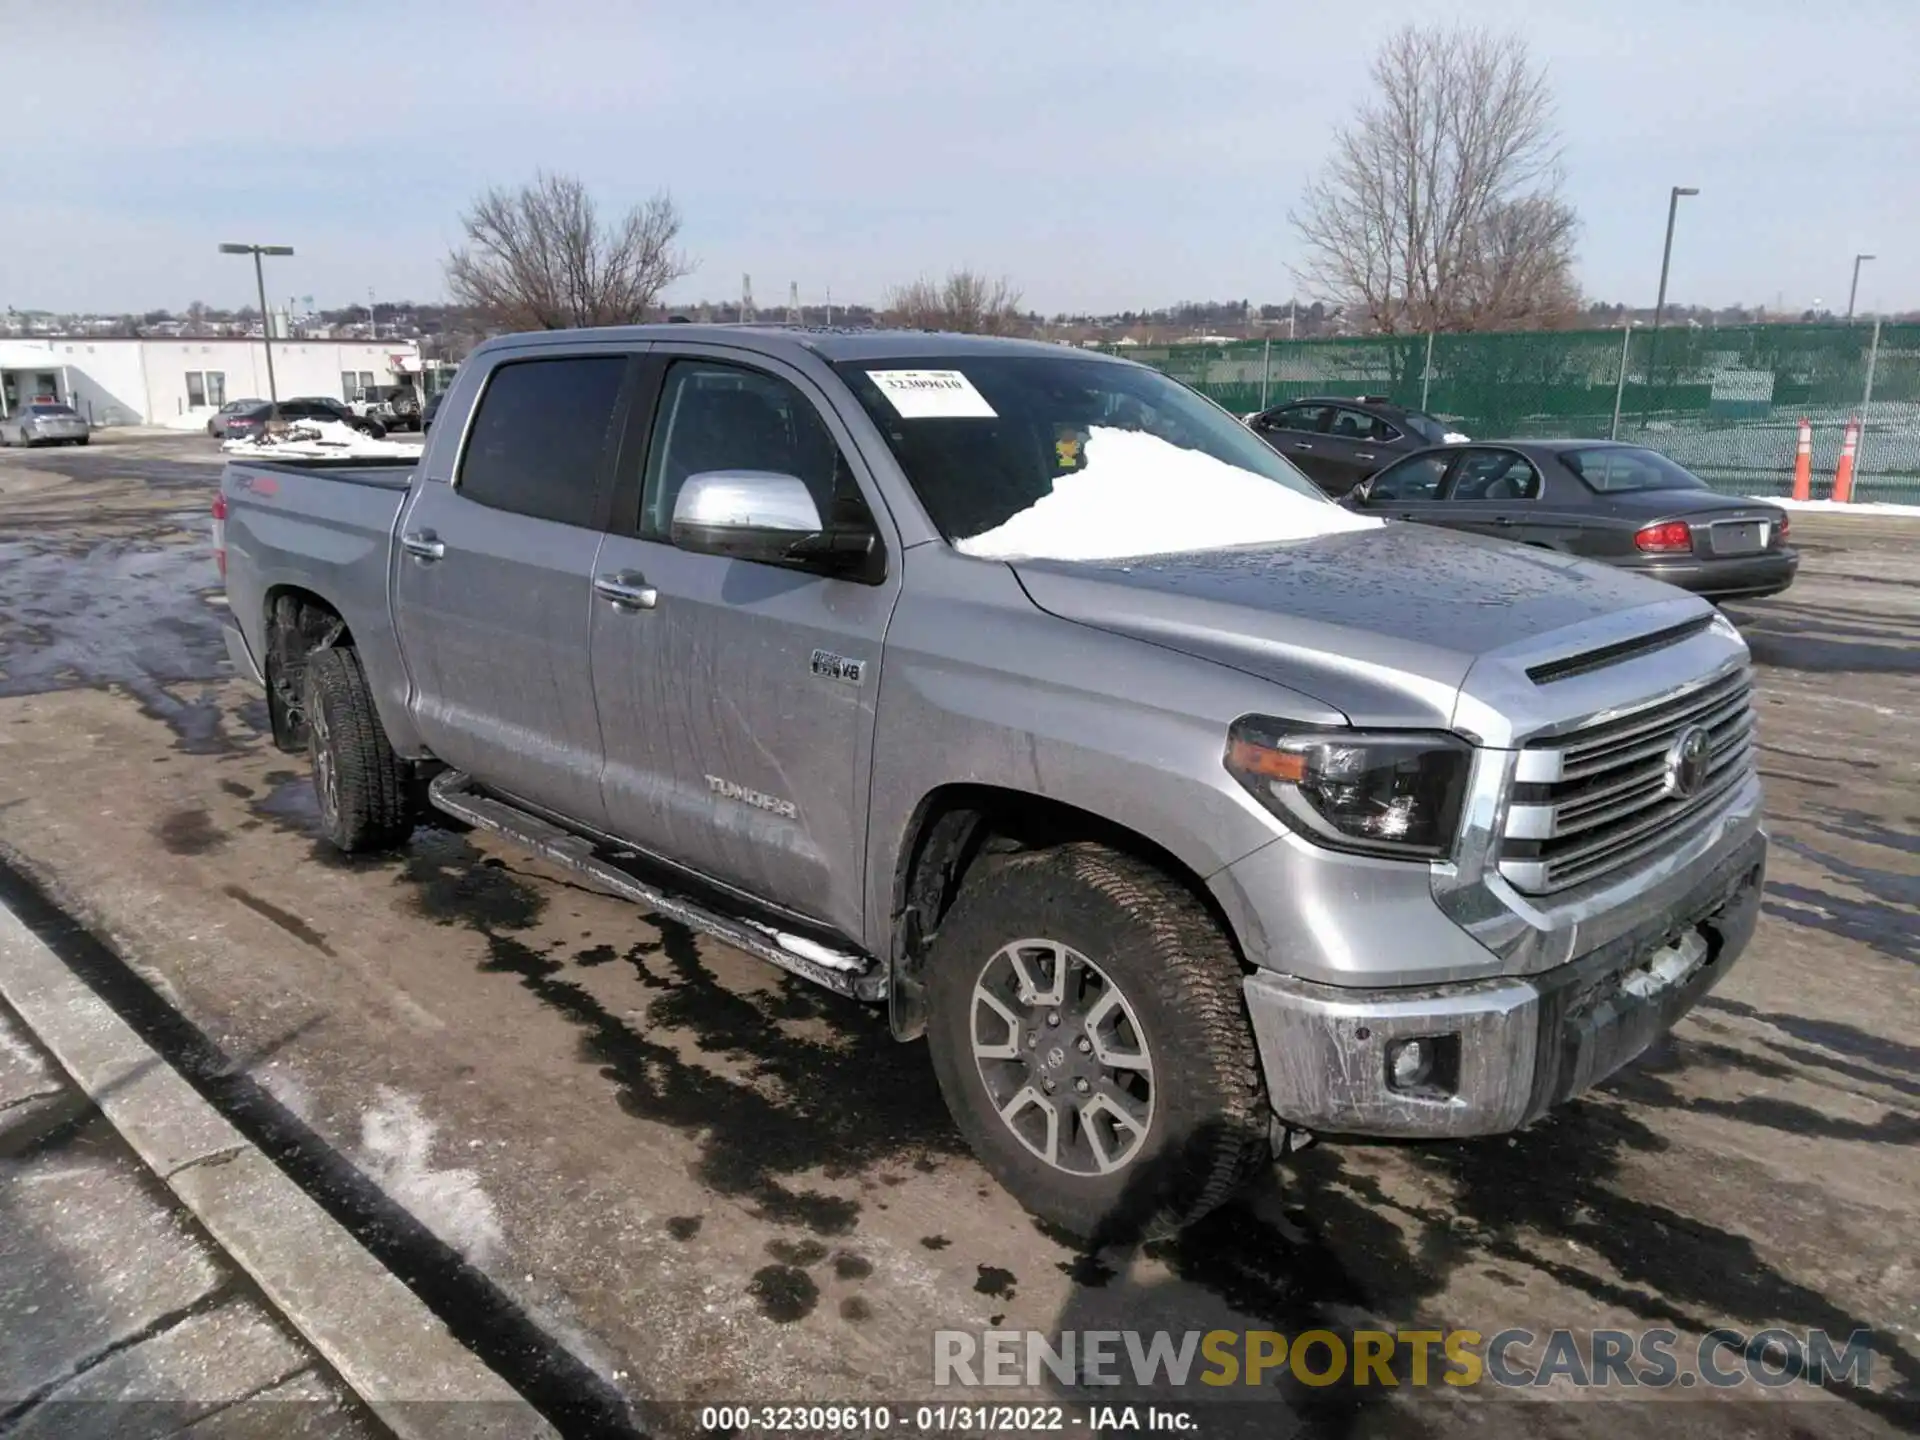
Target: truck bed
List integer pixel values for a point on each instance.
(323, 526)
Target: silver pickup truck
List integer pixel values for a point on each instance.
(1024, 690)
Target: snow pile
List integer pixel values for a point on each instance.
(318, 439)
(192, 420)
(1835, 507)
(1140, 495)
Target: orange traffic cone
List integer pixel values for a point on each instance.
(1843, 477)
(1803, 463)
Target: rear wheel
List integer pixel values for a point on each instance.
(366, 800)
(1088, 1031)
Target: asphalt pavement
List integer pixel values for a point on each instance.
(636, 1169)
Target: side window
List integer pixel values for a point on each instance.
(714, 416)
(1416, 478)
(1351, 425)
(1311, 418)
(1494, 475)
(538, 438)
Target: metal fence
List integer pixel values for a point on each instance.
(1726, 403)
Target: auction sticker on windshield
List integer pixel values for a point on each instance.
(932, 395)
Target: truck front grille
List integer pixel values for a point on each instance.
(1598, 800)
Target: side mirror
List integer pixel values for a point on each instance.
(746, 514)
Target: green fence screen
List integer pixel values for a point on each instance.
(1726, 403)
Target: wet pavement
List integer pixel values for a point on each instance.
(690, 1178)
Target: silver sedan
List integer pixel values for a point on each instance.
(42, 422)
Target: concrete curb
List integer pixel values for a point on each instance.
(388, 1347)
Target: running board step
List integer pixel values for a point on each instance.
(845, 974)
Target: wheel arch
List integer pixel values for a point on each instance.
(957, 826)
(297, 623)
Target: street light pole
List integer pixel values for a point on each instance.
(1854, 291)
(266, 316)
(1660, 303)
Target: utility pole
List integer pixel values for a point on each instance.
(1666, 258)
(1854, 290)
(266, 318)
(829, 307)
(373, 325)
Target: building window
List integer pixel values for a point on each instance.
(206, 387)
(196, 390)
(216, 388)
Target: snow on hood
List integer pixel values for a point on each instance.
(318, 439)
(1141, 495)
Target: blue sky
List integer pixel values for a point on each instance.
(1104, 155)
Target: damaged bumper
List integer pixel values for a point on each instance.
(1482, 1057)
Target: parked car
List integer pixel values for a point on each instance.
(217, 422)
(1340, 442)
(1023, 690)
(1625, 505)
(249, 424)
(44, 422)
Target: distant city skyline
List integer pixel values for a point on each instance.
(1106, 157)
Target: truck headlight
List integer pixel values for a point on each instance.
(1389, 793)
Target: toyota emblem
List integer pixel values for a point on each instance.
(1689, 759)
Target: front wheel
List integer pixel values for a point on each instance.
(366, 802)
(1087, 1027)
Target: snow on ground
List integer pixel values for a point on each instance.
(396, 1153)
(1834, 507)
(319, 438)
(192, 420)
(1140, 495)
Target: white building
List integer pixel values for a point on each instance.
(176, 380)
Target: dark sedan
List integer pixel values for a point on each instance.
(1625, 505)
(1337, 442)
(251, 424)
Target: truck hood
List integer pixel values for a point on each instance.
(1382, 624)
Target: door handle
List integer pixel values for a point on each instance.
(1406, 515)
(1504, 520)
(627, 590)
(423, 545)
(1363, 454)
(1303, 444)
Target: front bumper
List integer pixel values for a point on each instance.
(1511, 1048)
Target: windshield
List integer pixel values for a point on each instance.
(1069, 458)
(1615, 468)
(53, 410)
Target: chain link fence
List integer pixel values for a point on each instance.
(1726, 403)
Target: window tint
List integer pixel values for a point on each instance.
(1417, 478)
(1357, 425)
(723, 417)
(1494, 475)
(1628, 467)
(1427, 428)
(539, 436)
(1302, 417)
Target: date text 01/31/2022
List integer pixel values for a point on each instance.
(938, 1419)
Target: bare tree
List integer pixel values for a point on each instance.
(541, 258)
(966, 301)
(1440, 208)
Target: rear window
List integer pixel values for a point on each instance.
(538, 438)
(1614, 469)
(1426, 427)
(53, 410)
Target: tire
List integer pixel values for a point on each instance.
(1199, 1115)
(366, 801)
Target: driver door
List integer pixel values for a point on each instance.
(737, 702)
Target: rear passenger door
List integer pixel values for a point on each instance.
(738, 704)
(493, 581)
(1355, 446)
